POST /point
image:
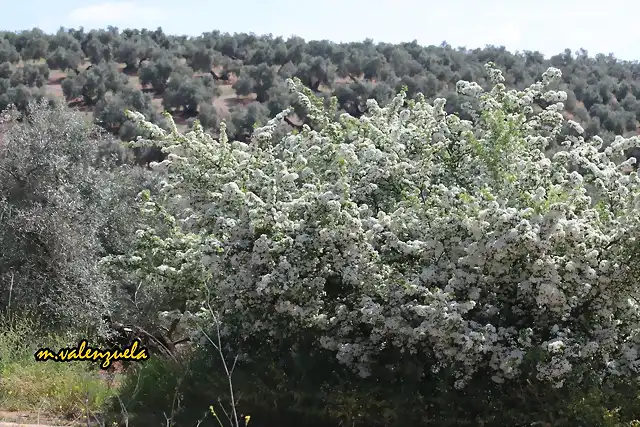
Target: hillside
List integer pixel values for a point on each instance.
(241, 77)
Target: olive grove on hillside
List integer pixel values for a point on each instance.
(185, 75)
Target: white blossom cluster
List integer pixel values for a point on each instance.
(413, 229)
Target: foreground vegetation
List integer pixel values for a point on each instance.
(394, 264)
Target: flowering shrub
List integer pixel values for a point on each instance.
(408, 232)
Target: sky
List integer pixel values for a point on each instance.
(548, 26)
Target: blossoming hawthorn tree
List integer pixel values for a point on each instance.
(411, 232)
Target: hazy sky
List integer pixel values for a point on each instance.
(549, 26)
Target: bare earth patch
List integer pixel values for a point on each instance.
(31, 419)
(221, 102)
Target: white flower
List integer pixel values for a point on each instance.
(365, 234)
(555, 346)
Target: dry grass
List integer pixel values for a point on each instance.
(47, 391)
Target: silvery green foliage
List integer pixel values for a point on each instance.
(52, 214)
(411, 229)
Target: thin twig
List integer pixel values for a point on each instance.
(229, 372)
(10, 292)
(123, 409)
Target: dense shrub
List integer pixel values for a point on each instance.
(410, 248)
(57, 200)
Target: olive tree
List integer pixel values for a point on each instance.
(53, 209)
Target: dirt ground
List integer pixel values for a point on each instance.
(28, 419)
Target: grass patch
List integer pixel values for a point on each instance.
(61, 390)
